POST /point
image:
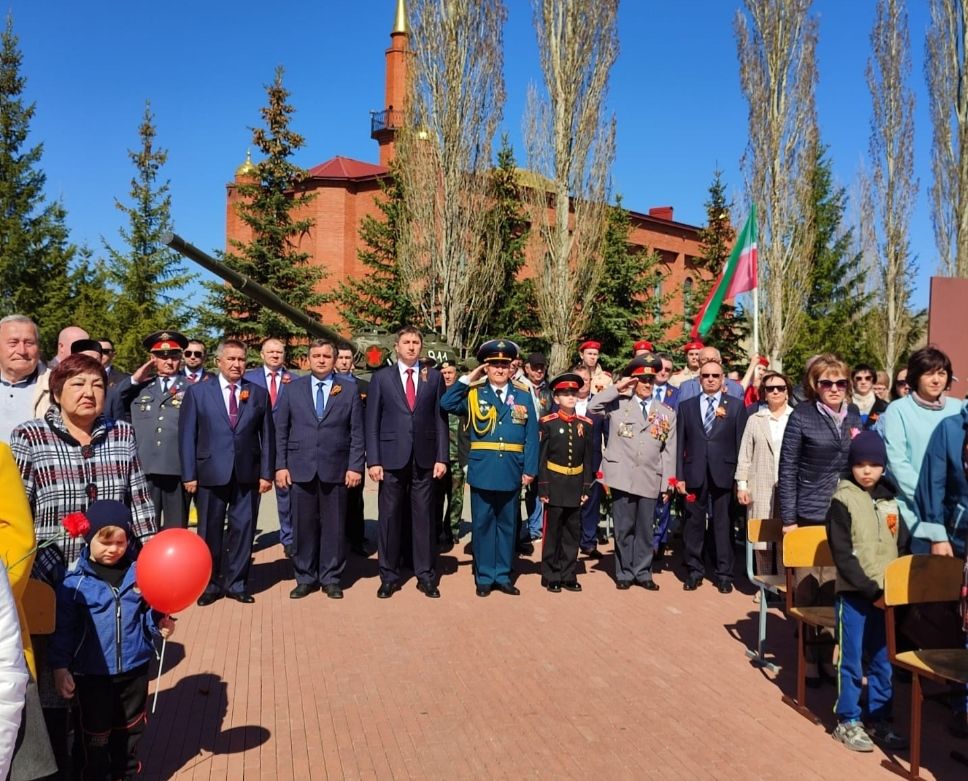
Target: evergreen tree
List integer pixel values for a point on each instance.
(146, 274)
(269, 205)
(92, 300)
(378, 300)
(35, 251)
(836, 303)
(628, 304)
(716, 240)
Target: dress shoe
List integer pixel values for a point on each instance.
(554, 587)
(359, 549)
(240, 596)
(591, 553)
(333, 591)
(302, 590)
(386, 590)
(571, 585)
(692, 583)
(525, 548)
(207, 599)
(623, 585)
(602, 538)
(648, 585)
(484, 591)
(289, 549)
(428, 589)
(725, 587)
(507, 588)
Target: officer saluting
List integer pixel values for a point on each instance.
(565, 478)
(503, 456)
(152, 396)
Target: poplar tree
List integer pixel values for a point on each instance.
(269, 205)
(148, 276)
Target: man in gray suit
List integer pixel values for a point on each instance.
(152, 396)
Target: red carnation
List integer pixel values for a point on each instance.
(76, 524)
(599, 475)
(690, 498)
(673, 482)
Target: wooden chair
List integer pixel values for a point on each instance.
(770, 532)
(40, 607)
(806, 547)
(912, 580)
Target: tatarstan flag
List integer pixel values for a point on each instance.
(739, 276)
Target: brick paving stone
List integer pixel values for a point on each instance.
(605, 683)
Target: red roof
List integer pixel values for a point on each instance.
(347, 169)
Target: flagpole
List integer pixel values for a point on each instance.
(756, 295)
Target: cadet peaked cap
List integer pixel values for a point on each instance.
(568, 381)
(497, 350)
(591, 344)
(163, 341)
(82, 345)
(643, 366)
(643, 344)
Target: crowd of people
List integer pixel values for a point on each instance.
(661, 453)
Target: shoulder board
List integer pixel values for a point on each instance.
(521, 386)
(549, 418)
(583, 419)
(478, 383)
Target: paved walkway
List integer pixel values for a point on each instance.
(603, 684)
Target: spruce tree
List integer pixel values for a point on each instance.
(628, 305)
(716, 240)
(35, 251)
(145, 273)
(269, 205)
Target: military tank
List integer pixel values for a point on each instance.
(373, 348)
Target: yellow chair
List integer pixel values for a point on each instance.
(770, 532)
(912, 580)
(806, 547)
(40, 607)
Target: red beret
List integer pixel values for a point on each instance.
(589, 345)
(764, 361)
(643, 344)
(696, 345)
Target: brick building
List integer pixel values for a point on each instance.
(346, 190)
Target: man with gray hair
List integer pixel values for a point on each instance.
(24, 380)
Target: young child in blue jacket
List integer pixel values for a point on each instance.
(103, 644)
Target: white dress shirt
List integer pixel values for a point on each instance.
(402, 369)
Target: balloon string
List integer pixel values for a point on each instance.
(161, 669)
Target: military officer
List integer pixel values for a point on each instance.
(503, 456)
(565, 477)
(152, 396)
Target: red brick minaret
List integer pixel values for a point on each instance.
(384, 124)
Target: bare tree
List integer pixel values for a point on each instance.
(455, 98)
(889, 190)
(776, 43)
(944, 68)
(570, 143)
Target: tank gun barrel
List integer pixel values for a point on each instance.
(251, 289)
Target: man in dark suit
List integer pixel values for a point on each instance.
(227, 442)
(355, 522)
(709, 429)
(274, 377)
(115, 376)
(664, 393)
(193, 364)
(319, 456)
(406, 449)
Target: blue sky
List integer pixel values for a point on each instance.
(675, 92)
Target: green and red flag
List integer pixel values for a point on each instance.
(739, 276)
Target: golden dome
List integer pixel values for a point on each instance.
(248, 167)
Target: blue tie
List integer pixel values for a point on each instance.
(320, 401)
(707, 421)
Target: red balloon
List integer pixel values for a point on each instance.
(174, 567)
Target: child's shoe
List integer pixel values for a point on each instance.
(853, 735)
(882, 733)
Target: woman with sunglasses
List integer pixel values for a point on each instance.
(759, 455)
(900, 388)
(907, 427)
(865, 398)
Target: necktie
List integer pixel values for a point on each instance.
(707, 421)
(320, 403)
(273, 388)
(500, 395)
(645, 408)
(233, 407)
(411, 390)
(192, 377)
(658, 395)
(164, 385)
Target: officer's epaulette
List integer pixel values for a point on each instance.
(549, 418)
(583, 419)
(477, 383)
(521, 386)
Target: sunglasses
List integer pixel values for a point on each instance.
(107, 352)
(710, 376)
(775, 389)
(863, 378)
(901, 383)
(169, 355)
(828, 384)
(192, 354)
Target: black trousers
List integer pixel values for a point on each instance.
(170, 500)
(405, 503)
(318, 513)
(231, 547)
(694, 531)
(559, 551)
(113, 719)
(355, 522)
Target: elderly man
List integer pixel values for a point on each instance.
(693, 387)
(24, 389)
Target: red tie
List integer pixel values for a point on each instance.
(273, 390)
(192, 378)
(233, 407)
(411, 390)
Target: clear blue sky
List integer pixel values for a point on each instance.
(203, 64)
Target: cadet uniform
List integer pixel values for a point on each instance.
(600, 379)
(153, 407)
(686, 373)
(503, 434)
(565, 478)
